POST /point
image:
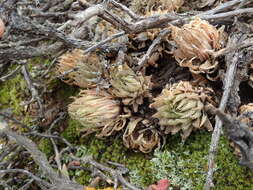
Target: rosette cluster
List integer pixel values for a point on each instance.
(118, 98)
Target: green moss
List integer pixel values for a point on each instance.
(72, 133)
(46, 146)
(39, 60)
(193, 153)
(11, 92)
(82, 177)
(229, 174)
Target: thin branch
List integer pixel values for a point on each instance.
(27, 185)
(152, 48)
(112, 37)
(37, 179)
(238, 133)
(127, 10)
(222, 7)
(38, 156)
(117, 175)
(40, 159)
(230, 49)
(22, 43)
(11, 74)
(227, 87)
(247, 11)
(33, 90)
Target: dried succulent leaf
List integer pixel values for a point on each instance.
(113, 126)
(181, 108)
(88, 68)
(138, 136)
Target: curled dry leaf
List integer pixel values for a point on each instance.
(2, 27)
(197, 41)
(88, 68)
(139, 134)
(113, 126)
(181, 108)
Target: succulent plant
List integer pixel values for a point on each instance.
(148, 7)
(140, 135)
(181, 108)
(246, 113)
(131, 87)
(94, 110)
(86, 69)
(196, 42)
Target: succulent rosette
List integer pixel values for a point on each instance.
(196, 42)
(246, 114)
(78, 69)
(129, 86)
(181, 108)
(140, 135)
(94, 109)
(147, 7)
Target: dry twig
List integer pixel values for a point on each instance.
(233, 57)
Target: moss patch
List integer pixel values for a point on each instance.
(46, 146)
(193, 154)
(71, 133)
(229, 174)
(11, 92)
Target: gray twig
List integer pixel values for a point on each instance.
(228, 82)
(117, 175)
(10, 75)
(152, 48)
(33, 90)
(56, 181)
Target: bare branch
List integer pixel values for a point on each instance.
(117, 175)
(239, 133)
(232, 60)
(152, 48)
(33, 90)
(10, 75)
(40, 159)
(37, 179)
